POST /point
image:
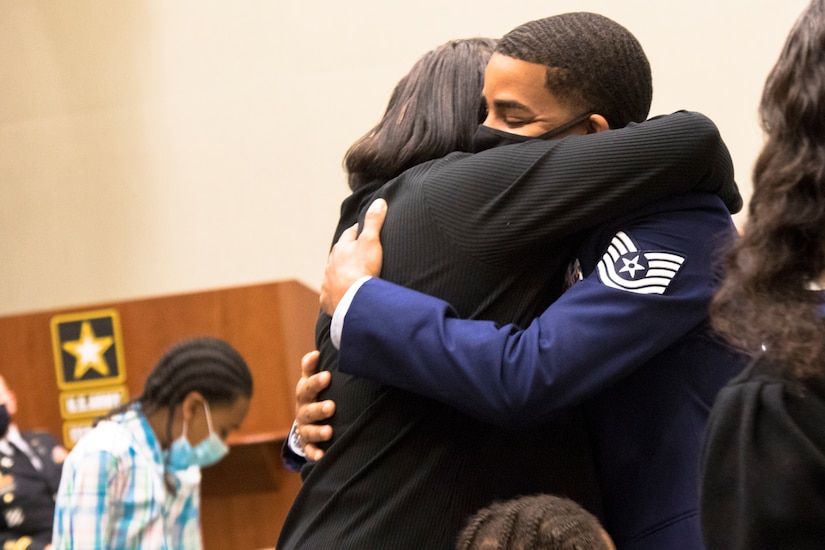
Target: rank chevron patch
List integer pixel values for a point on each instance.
(625, 268)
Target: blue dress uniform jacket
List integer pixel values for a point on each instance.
(629, 342)
(27, 494)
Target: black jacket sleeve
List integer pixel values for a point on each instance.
(764, 465)
(517, 198)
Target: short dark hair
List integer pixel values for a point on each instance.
(543, 521)
(434, 110)
(593, 63)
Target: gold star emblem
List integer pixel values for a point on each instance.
(88, 351)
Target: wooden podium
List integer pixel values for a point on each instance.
(246, 496)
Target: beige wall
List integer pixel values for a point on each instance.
(151, 147)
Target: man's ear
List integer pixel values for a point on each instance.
(190, 404)
(596, 124)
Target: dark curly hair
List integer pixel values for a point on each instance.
(765, 304)
(593, 63)
(545, 522)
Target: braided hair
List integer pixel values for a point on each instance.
(593, 64)
(205, 365)
(545, 522)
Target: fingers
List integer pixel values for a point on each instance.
(310, 436)
(309, 363)
(312, 452)
(374, 219)
(368, 244)
(308, 433)
(353, 257)
(307, 411)
(309, 387)
(350, 234)
(330, 293)
(310, 414)
(327, 299)
(311, 382)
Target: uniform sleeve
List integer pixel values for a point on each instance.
(82, 508)
(764, 469)
(592, 336)
(509, 201)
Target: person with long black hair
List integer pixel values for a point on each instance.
(764, 459)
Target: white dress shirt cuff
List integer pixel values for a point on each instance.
(294, 441)
(337, 326)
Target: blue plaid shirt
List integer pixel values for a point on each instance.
(112, 492)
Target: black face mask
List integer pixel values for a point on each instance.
(487, 138)
(5, 420)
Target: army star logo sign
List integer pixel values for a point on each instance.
(87, 349)
(625, 268)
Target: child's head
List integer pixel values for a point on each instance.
(201, 386)
(543, 522)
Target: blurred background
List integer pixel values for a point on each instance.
(151, 147)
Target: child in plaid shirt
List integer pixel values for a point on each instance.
(133, 481)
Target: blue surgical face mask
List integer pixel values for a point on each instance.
(488, 138)
(182, 455)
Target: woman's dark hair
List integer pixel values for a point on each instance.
(543, 522)
(434, 110)
(593, 64)
(765, 304)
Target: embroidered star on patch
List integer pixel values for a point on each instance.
(624, 267)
